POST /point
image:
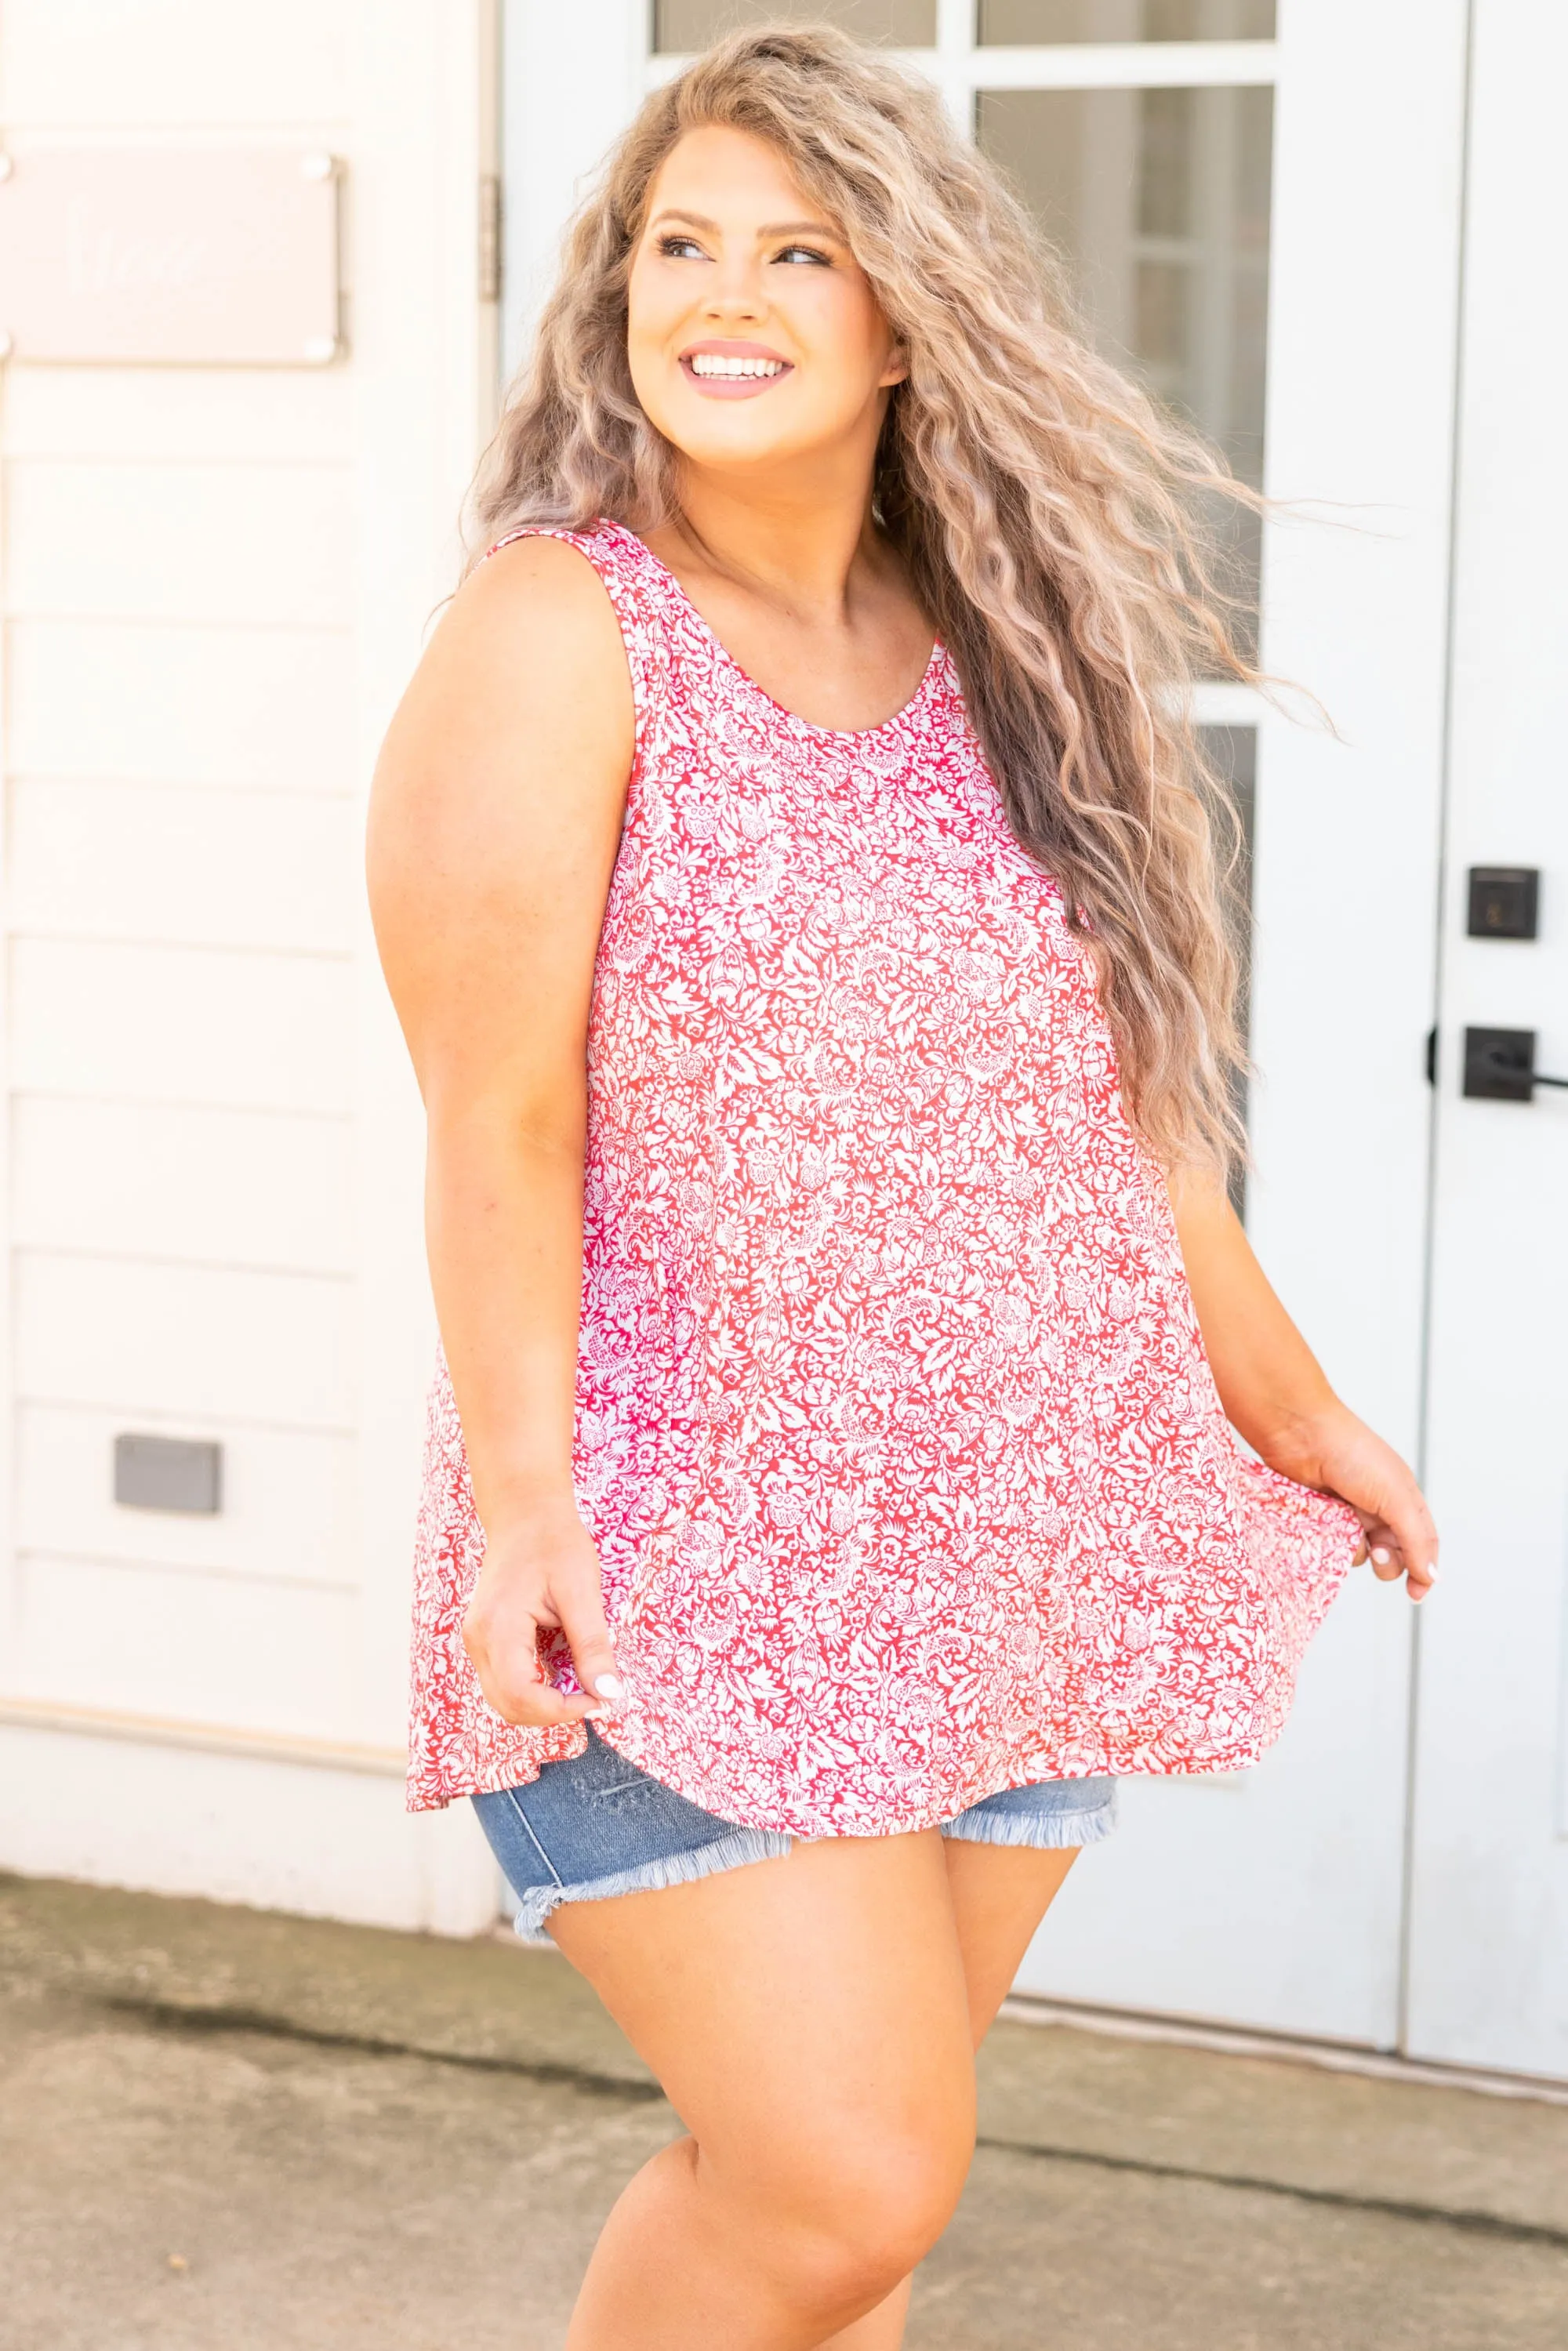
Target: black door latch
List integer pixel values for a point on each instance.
(1500, 1065)
(1504, 902)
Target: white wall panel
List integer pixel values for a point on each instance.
(418, 75)
(182, 706)
(239, 1828)
(183, 863)
(181, 1024)
(220, 542)
(183, 1339)
(211, 65)
(217, 1186)
(221, 579)
(288, 1495)
(175, 1642)
(116, 413)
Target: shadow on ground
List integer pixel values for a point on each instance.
(225, 2130)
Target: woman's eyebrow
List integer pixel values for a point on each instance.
(771, 228)
(697, 220)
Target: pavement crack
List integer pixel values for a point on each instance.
(1484, 2224)
(171, 2016)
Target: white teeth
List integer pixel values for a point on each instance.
(720, 363)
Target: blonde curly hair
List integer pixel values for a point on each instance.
(1057, 525)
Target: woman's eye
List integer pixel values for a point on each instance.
(803, 253)
(680, 248)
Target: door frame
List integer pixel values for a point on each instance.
(1488, 1913)
(1368, 171)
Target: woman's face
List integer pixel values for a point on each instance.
(753, 335)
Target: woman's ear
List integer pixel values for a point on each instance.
(897, 368)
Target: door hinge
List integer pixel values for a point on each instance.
(490, 238)
(1431, 1057)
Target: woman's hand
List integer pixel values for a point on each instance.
(1340, 1455)
(540, 1573)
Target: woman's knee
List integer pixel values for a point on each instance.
(857, 2218)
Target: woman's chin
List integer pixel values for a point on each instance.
(732, 445)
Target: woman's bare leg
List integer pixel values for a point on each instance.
(811, 2020)
(999, 1895)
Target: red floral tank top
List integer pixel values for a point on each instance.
(894, 1425)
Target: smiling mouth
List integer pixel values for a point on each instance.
(733, 375)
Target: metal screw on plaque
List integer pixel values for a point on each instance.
(7, 344)
(7, 165)
(316, 166)
(320, 349)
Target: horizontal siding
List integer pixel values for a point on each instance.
(166, 1641)
(215, 65)
(165, 705)
(259, 1189)
(212, 543)
(181, 1025)
(256, 416)
(289, 1499)
(214, 582)
(272, 1347)
(182, 865)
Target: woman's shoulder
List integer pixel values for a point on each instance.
(580, 599)
(528, 665)
(554, 578)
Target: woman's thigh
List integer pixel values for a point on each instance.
(809, 2017)
(999, 1893)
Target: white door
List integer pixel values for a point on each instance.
(1488, 1939)
(1260, 199)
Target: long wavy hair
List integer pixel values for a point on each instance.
(1056, 524)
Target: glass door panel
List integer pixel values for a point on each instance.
(1024, 24)
(1158, 202)
(682, 26)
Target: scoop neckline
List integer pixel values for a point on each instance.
(900, 718)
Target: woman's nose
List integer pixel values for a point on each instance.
(735, 294)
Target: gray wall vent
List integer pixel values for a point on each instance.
(168, 1473)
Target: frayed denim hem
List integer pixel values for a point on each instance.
(731, 1852)
(1046, 1831)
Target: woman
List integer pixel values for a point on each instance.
(792, 865)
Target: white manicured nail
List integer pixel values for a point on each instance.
(609, 1686)
(1381, 1557)
(597, 1714)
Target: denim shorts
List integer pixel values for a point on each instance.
(595, 1826)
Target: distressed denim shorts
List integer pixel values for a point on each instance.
(595, 1826)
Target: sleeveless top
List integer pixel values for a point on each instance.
(894, 1425)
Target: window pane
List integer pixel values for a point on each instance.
(681, 25)
(1031, 24)
(1157, 200)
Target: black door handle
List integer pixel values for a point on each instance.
(1500, 1065)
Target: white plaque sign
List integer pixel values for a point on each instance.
(222, 257)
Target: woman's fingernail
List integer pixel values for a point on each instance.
(597, 1714)
(1381, 1557)
(609, 1686)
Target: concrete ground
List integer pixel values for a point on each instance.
(223, 2130)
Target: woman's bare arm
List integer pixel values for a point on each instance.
(1275, 1393)
(495, 817)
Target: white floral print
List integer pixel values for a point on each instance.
(894, 1427)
